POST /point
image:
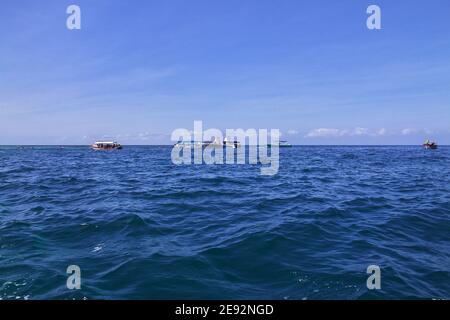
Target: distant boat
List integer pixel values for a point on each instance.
(106, 145)
(282, 144)
(430, 145)
(185, 144)
(233, 144)
(225, 143)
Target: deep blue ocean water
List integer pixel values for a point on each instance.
(140, 227)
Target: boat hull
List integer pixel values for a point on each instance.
(106, 148)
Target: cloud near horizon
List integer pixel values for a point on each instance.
(336, 133)
(409, 131)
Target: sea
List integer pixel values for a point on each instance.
(140, 227)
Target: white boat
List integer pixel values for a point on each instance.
(283, 144)
(188, 144)
(106, 145)
(232, 144)
(216, 142)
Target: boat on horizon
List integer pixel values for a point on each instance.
(233, 144)
(106, 145)
(282, 144)
(430, 145)
(225, 143)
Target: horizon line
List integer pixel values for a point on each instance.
(168, 145)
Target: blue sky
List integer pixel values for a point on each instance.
(137, 70)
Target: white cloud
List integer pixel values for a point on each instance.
(360, 132)
(326, 132)
(409, 131)
(334, 133)
(406, 132)
(292, 132)
(381, 132)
